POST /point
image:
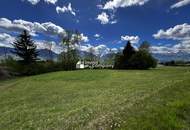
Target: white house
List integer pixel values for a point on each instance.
(80, 65)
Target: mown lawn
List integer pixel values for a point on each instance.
(156, 99)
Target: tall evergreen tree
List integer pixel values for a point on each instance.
(132, 59)
(122, 59)
(25, 48)
(128, 51)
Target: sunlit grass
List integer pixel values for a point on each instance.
(98, 99)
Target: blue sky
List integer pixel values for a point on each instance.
(110, 19)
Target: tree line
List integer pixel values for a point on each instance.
(29, 64)
(135, 59)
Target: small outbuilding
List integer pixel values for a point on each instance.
(80, 65)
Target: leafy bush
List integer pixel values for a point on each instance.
(11, 64)
(68, 60)
(133, 59)
(4, 73)
(118, 61)
(142, 60)
(39, 68)
(176, 63)
(18, 68)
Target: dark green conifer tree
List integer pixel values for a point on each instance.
(25, 48)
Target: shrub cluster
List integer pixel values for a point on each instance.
(132, 59)
(176, 63)
(18, 68)
(68, 60)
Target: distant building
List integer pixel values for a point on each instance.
(91, 65)
(80, 65)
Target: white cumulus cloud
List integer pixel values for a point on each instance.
(65, 9)
(84, 38)
(53, 29)
(33, 27)
(6, 40)
(10, 26)
(114, 4)
(103, 18)
(183, 46)
(51, 1)
(161, 49)
(98, 50)
(132, 39)
(34, 2)
(178, 32)
(42, 44)
(180, 4)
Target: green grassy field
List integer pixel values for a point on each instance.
(156, 99)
